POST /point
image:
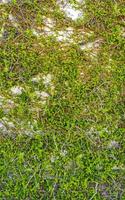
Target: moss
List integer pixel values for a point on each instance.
(58, 147)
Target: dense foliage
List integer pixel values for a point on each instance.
(62, 100)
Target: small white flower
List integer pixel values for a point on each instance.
(72, 12)
(47, 79)
(48, 31)
(81, 1)
(69, 10)
(43, 95)
(63, 153)
(28, 132)
(61, 36)
(2, 127)
(53, 158)
(113, 144)
(11, 124)
(13, 20)
(52, 87)
(16, 90)
(10, 102)
(5, 1)
(36, 79)
(118, 167)
(49, 22)
(65, 35)
(36, 33)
